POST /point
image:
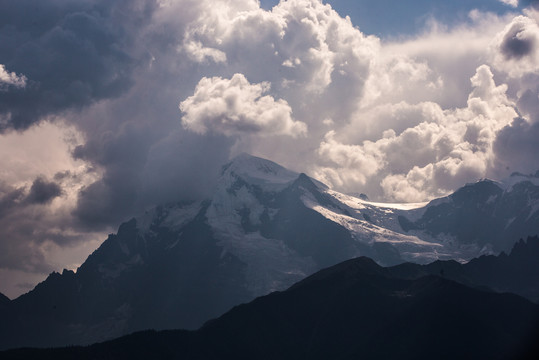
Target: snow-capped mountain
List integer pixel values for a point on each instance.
(264, 228)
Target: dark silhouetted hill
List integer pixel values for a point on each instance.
(354, 310)
(517, 272)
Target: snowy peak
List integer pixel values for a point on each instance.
(481, 192)
(517, 178)
(257, 171)
(485, 214)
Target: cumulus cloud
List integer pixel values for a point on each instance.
(304, 48)
(392, 77)
(516, 48)
(415, 118)
(365, 160)
(234, 107)
(434, 151)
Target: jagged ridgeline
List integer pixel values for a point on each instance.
(264, 229)
(353, 310)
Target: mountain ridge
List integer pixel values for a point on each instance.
(264, 229)
(351, 310)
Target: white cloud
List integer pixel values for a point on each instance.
(340, 158)
(447, 58)
(10, 78)
(235, 107)
(44, 149)
(304, 48)
(394, 74)
(434, 152)
(513, 3)
(198, 53)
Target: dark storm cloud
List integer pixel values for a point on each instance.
(29, 225)
(516, 43)
(517, 146)
(76, 53)
(9, 197)
(72, 53)
(140, 173)
(43, 191)
(23, 227)
(122, 155)
(529, 103)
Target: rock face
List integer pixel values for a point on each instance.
(515, 273)
(264, 229)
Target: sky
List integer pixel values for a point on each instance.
(108, 108)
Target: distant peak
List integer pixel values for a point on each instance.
(245, 159)
(244, 155)
(257, 170)
(67, 272)
(518, 174)
(304, 177)
(348, 269)
(517, 177)
(305, 181)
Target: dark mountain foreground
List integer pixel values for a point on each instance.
(353, 310)
(517, 272)
(4, 301)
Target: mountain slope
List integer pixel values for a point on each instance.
(263, 229)
(4, 301)
(484, 214)
(130, 283)
(355, 309)
(516, 273)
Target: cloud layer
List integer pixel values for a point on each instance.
(132, 96)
